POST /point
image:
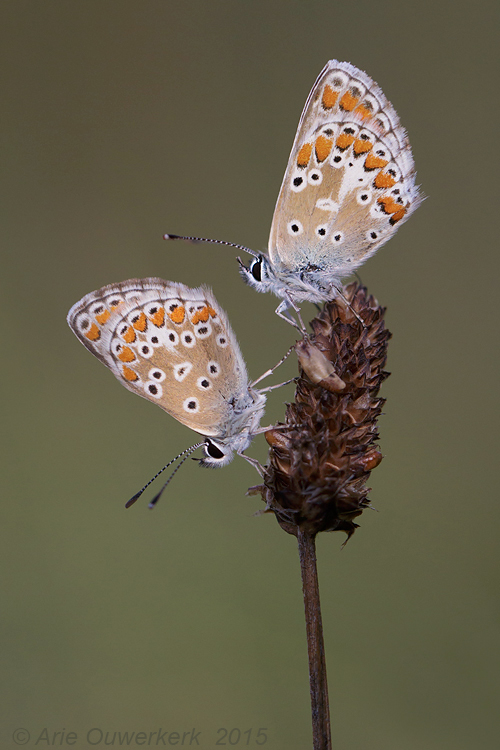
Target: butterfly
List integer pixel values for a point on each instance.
(349, 184)
(175, 347)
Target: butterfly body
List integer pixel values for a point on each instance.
(349, 184)
(175, 347)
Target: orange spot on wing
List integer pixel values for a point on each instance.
(344, 140)
(304, 155)
(159, 317)
(177, 315)
(362, 147)
(375, 162)
(212, 312)
(129, 374)
(323, 146)
(126, 355)
(141, 323)
(384, 180)
(397, 216)
(129, 335)
(364, 112)
(390, 205)
(102, 317)
(200, 316)
(93, 334)
(348, 102)
(329, 97)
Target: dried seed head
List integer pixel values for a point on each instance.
(319, 464)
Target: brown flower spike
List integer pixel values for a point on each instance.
(318, 466)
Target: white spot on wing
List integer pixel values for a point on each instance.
(326, 204)
(182, 370)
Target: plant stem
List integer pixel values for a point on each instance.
(315, 646)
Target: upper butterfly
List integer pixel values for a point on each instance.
(349, 184)
(174, 346)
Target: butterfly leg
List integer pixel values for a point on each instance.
(271, 370)
(339, 293)
(253, 461)
(281, 312)
(278, 385)
(272, 427)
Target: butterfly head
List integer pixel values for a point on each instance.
(217, 453)
(259, 274)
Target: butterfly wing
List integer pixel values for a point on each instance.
(169, 344)
(350, 179)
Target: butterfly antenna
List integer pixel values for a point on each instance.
(185, 453)
(215, 242)
(159, 494)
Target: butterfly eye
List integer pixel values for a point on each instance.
(212, 450)
(256, 269)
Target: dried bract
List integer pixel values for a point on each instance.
(320, 462)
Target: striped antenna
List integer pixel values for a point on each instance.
(153, 502)
(215, 242)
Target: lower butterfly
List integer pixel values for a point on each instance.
(175, 347)
(348, 186)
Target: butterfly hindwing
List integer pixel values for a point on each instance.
(169, 344)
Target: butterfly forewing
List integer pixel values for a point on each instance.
(350, 178)
(169, 344)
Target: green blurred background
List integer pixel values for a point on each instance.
(122, 120)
